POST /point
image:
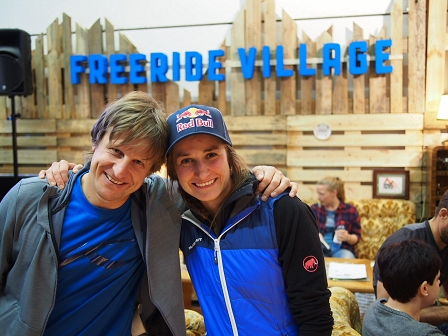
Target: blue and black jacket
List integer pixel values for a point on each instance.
(264, 272)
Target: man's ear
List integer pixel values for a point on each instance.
(443, 213)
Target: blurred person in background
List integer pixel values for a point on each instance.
(338, 222)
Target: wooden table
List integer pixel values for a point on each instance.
(354, 285)
(187, 289)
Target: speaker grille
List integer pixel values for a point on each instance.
(15, 63)
(10, 74)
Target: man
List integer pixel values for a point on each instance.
(435, 233)
(81, 260)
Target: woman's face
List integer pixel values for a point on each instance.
(202, 168)
(325, 196)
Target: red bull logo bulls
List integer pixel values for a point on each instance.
(192, 112)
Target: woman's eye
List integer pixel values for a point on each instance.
(210, 155)
(185, 161)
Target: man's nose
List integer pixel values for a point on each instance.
(121, 167)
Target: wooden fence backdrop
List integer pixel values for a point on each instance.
(377, 121)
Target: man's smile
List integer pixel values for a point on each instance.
(112, 180)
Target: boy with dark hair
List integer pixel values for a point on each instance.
(410, 272)
(434, 232)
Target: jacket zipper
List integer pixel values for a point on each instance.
(218, 261)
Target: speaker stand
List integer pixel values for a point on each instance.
(13, 119)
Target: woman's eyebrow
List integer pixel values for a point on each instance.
(209, 149)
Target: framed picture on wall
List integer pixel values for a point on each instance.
(391, 183)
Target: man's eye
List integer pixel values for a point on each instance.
(115, 150)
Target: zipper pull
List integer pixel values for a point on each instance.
(216, 252)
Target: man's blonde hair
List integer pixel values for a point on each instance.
(140, 120)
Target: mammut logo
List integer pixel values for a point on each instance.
(310, 263)
(196, 241)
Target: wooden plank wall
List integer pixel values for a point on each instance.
(378, 121)
(43, 141)
(358, 145)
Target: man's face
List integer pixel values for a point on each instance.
(115, 172)
(443, 231)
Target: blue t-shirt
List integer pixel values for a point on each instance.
(100, 270)
(330, 231)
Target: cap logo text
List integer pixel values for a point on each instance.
(198, 122)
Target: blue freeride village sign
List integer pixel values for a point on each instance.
(99, 65)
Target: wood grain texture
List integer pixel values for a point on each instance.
(396, 77)
(54, 71)
(83, 89)
(270, 40)
(237, 88)
(435, 57)
(324, 84)
(288, 84)
(68, 88)
(253, 39)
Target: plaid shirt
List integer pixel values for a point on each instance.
(346, 214)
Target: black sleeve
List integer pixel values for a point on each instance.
(306, 282)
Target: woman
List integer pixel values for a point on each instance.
(257, 267)
(338, 222)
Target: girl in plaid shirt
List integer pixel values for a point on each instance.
(338, 222)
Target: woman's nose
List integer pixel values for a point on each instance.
(202, 170)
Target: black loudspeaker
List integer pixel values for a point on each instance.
(15, 63)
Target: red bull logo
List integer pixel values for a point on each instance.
(194, 123)
(192, 112)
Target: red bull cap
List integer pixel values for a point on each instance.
(196, 119)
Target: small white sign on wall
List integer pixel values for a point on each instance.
(322, 131)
